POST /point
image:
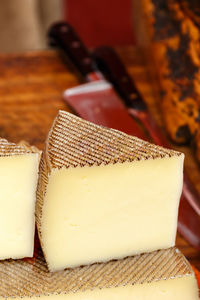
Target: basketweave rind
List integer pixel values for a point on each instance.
(74, 142)
(9, 149)
(28, 278)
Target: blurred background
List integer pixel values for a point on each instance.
(24, 23)
(166, 32)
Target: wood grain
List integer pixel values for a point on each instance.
(31, 87)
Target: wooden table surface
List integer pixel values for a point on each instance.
(31, 87)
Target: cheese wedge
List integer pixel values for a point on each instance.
(161, 275)
(104, 195)
(18, 183)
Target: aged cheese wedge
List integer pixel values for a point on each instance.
(161, 275)
(104, 195)
(18, 182)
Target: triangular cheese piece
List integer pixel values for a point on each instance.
(104, 195)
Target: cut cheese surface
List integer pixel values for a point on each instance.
(104, 195)
(96, 214)
(161, 275)
(18, 182)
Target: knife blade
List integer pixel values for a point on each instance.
(110, 64)
(65, 38)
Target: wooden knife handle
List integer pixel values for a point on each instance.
(62, 35)
(110, 64)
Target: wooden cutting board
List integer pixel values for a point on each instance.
(31, 87)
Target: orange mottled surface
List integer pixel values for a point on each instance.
(174, 37)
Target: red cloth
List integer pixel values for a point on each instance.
(103, 22)
(197, 273)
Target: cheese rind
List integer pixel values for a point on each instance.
(18, 183)
(163, 274)
(104, 195)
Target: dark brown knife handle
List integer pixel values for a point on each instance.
(63, 35)
(110, 64)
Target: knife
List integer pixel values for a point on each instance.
(113, 69)
(104, 112)
(110, 64)
(107, 109)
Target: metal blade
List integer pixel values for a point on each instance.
(98, 103)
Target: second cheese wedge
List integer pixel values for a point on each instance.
(104, 195)
(18, 183)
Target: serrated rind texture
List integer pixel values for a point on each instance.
(9, 149)
(27, 278)
(73, 142)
